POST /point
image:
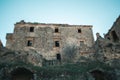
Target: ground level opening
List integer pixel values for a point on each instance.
(22, 74)
(98, 75)
(58, 56)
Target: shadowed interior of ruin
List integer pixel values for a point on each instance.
(98, 75)
(115, 37)
(22, 74)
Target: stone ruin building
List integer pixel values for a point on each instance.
(113, 37)
(108, 48)
(114, 33)
(50, 39)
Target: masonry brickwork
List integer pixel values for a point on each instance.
(108, 48)
(49, 39)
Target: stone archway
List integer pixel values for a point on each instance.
(22, 74)
(98, 75)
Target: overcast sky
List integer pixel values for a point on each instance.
(99, 13)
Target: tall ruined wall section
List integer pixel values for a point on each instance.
(114, 33)
(48, 39)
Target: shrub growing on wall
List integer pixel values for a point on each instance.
(69, 53)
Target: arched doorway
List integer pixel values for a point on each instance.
(22, 74)
(98, 75)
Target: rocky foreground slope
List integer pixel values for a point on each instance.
(103, 64)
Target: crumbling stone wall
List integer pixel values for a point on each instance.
(114, 33)
(49, 39)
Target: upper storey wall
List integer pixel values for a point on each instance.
(44, 36)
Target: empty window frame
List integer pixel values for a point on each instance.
(79, 31)
(31, 29)
(29, 42)
(81, 43)
(58, 57)
(57, 44)
(56, 30)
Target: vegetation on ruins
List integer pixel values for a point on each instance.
(69, 53)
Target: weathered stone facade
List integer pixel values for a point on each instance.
(108, 48)
(114, 33)
(31, 40)
(50, 39)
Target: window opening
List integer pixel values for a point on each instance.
(31, 29)
(81, 43)
(57, 44)
(29, 43)
(115, 37)
(56, 30)
(79, 30)
(58, 56)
